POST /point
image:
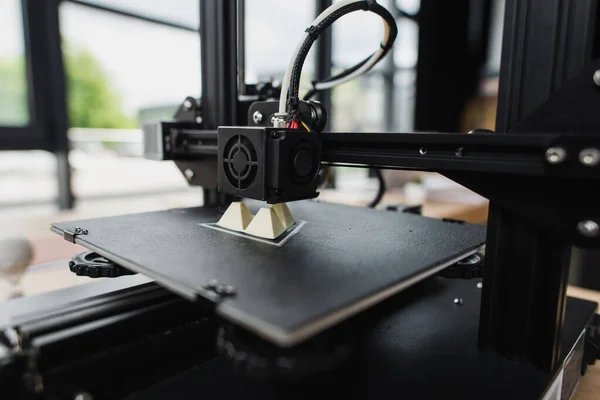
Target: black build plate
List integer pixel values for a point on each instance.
(341, 261)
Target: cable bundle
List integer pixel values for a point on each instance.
(288, 103)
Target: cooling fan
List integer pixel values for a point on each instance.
(240, 163)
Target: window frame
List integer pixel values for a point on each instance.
(30, 136)
(46, 98)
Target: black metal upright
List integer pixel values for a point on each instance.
(524, 288)
(47, 86)
(390, 106)
(323, 59)
(451, 57)
(218, 38)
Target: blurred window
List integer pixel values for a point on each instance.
(355, 36)
(361, 104)
(411, 7)
(492, 66)
(117, 66)
(14, 109)
(181, 12)
(273, 30)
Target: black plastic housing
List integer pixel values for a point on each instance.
(269, 164)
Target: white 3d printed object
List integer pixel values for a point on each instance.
(269, 223)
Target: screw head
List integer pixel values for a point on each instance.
(589, 229)
(257, 117)
(589, 157)
(189, 174)
(556, 155)
(187, 104)
(422, 151)
(460, 152)
(199, 120)
(479, 285)
(458, 301)
(597, 77)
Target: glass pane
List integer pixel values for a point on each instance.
(183, 12)
(406, 47)
(123, 67)
(14, 110)
(405, 90)
(409, 6)
(351, 45)
(495, 45)
(273, 30)
(358, 105)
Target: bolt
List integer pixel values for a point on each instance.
(199, 120)
(589, 157)
(279, 122)
(189, 174)
(589, 229)
(257, 117)
(458, 301)
(187, 104)
(479, 285)
(460, 152)
(422, 151)
(556, 155)
(597, 77)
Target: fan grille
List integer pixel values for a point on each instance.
(240, 162)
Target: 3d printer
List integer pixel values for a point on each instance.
(358, 302)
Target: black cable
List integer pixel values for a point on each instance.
(313, 34)
(315, 31)
(312, 92)
(380, 191)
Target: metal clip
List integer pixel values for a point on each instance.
(220, 289)
(70, 236)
